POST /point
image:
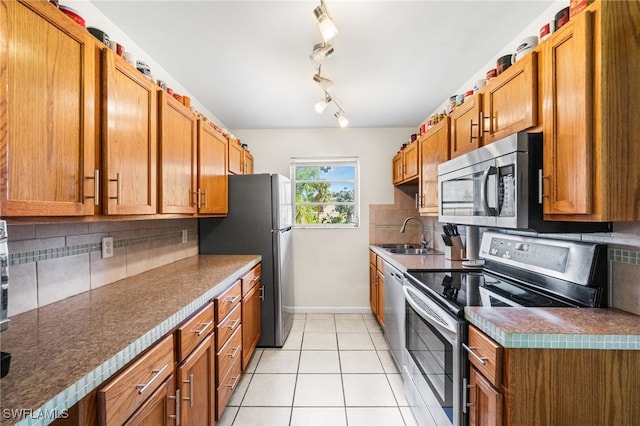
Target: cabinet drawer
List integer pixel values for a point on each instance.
(227, 386)
(372, 258)
(228, 300)
(227, 327)
(193, 331)
(227, 355)
(488, 359)
(130, 388)
(380, 264)
(251, 279)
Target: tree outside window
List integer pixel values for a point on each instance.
(326, 192)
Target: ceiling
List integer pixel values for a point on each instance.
(395, 62)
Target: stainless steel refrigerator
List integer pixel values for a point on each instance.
(259, 222)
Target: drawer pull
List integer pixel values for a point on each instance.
(254, 279)
(117, 181)
(157, 373)
(235, 382)
(177, 415)
(233, 355)
(233, 324)
(190, 397)
(204, 327)
(482, 361)
(233, 299)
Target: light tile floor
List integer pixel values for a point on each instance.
(334, 369)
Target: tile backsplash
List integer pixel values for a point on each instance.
(49, 262)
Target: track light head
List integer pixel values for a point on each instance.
(320, 52)
(342, 120)
(328, 29)
(323, 82)
(322, 105)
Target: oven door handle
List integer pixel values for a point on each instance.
(437, 317)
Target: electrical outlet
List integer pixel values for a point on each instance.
(185, 236)
(107, 247)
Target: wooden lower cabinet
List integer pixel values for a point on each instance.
(160, 409)
(195, 382)
(376, 286)
(251, 324)
(485, 401)
(553, 386)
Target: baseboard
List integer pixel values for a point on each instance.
(333, 310)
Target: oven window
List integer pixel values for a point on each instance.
(433, 355)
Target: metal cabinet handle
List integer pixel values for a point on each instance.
(233, 299)
(261, 292)
(190, 397)
(541, 193)
(465, 390)
(96, 187)
(157, 373)
(117, 181)
(235, 382)
(205, 198)
(482, 361)
(204, 327)
(233, 324)
(177, 415)
(233, 355)
(471, 137)
(484, 126)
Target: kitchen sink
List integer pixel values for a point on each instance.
(412, 250)
(399, 246)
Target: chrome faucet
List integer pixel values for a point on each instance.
(424, 243)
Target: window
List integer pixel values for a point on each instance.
(326, 192)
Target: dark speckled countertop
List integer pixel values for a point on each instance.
(558, 328)
(61, 352)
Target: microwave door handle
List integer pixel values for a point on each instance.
(489, 211)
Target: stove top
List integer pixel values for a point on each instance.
(523, 272)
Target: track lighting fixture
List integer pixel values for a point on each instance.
(342, 120)
(320, 52)
(322, 105)
(328, 29)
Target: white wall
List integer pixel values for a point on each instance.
(331, 270)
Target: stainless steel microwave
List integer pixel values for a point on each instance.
(500, 186)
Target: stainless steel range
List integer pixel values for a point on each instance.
(519, 272)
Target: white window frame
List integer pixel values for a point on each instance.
(328, 162)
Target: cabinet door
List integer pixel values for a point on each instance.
(251, 308)
(434, 149)
(466, 129)
(380, 301)
(398, 167)
(47, 114)
(177, 156)
(129, 138)
(236, 165)
(567, 117)
(510, 102)
(212, 171)
(411, 167)
(196, 377)
(373, 288)
(248, 162)
(485, 408)
(160, 409)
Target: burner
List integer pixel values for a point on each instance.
(531, 299)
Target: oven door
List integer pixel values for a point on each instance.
(435, 367)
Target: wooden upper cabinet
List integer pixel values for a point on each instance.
(466, 126)
(434, 150)
(248, 162)
(177, 156)
(406, 164)
(47, 114)
(236, 161)
(510, 102)
(568, 118)
(129, 138)
(212, 171)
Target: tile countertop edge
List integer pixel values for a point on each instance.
(42, 415)
(518, 340)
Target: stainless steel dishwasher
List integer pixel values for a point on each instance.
(394, 313)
